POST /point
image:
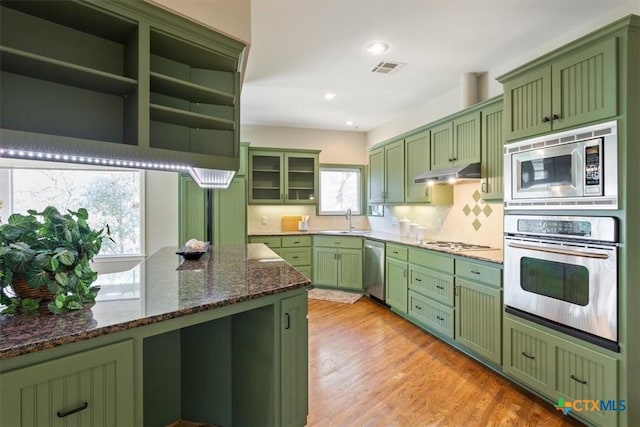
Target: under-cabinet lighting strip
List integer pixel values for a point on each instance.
(90, 160)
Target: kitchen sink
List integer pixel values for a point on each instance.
(348, 233)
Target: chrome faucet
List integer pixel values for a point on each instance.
(348, 216)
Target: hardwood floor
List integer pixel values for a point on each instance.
(370, 367)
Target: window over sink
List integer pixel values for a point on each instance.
(341, 188)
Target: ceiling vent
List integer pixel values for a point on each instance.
(388, 67)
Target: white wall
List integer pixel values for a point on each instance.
(337, 146)
(161, 210)
(449, 103)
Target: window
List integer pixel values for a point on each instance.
(340, 189)
(112, 197)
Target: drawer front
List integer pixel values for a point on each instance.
(583, 374)
(431, 314)
(425, 258)
(306, 270)
(482, 273)
(271, 241)
(338, 242)
(527, 355)
(397, 251)
(296, 256)
(433, 284)
(296, 241)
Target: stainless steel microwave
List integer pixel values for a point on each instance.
(576, 169)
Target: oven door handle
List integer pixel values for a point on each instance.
(559, 251)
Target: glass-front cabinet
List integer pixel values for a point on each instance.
(278, 177)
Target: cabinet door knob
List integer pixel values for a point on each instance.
(546, 119)
(555, 117)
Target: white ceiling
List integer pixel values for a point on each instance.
(301, 49)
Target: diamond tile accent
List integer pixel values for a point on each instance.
(466, 210)
(477, 196)
(476, 210)
(476, 224)
(487, 210)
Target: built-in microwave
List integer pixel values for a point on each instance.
(574, 169)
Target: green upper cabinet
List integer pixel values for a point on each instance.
(121, 81)
(567, 91)
(457, 142)
(277, 177)
(386, 173)
(417, 160)
(492, 158)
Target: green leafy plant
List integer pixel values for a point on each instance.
(51, 250)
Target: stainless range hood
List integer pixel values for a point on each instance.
(469, 171)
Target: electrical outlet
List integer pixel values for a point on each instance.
(265, 220)
(439, 223)
(394, 220)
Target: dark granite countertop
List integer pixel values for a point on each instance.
(494, 255)
(160, 288)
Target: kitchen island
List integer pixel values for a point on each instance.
(221, 340)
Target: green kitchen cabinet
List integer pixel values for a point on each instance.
(296, 250)
(120, 81)
(566, 91)
(430, 314)
(396, 277)
(417, 155)
(273, 242)
(386, 173)
(528, 355)
(492, 156)
(228, 211)
(294, 360)
(93, 387)
(457, 142)
(338, 262)
(277, 177)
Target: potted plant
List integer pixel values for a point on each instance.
(45, 257)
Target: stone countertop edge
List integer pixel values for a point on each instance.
(494, 255)
(172, 288)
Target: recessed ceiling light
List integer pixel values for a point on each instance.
(349, 123)
(377, 48)
(329, 95)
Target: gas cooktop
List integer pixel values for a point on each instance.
(455, 246)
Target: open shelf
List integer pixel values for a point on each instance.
(189, 119)
(301, 171)
(40, 67)
(186, 90)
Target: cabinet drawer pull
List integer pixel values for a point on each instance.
(484, 187)
(440, 287)
(62, 414)
(418, 307)
(440, 318)
(404, 273)
(336, 243)
(295, 257)
(296, 243)
(417, 279)
(475, 272)
(528, 356)
(573, 377)
(287, 323)
(396, 252)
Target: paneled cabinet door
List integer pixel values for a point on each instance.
(92, 388)
(325, 267)
(301, 178)
(441, 146)
(394, 172)
(230, 213)
(376, 175)
(417, 160)
(266, 179)
(350, 268)
(466, 139)
(478, 319)
(397, 283)
(527, 101)
(294, 362)
(491, 165)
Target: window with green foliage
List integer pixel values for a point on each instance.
(111, 196)
(340, 189)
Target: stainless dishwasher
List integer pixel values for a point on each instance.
(374, 269)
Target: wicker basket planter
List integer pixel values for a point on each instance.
(23, 290)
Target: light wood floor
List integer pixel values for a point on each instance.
(370, 367)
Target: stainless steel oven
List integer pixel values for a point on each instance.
(574, 169)
(562, 271)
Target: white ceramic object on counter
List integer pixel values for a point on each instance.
(413, 228)
(421, 234)
(403, 225)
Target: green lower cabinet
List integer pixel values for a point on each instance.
(396, 279)
(432, 284)
(274, 243)
(431, 314)
(559, 369)
(479, 319)
(341, 268)
(294, 362)
(91, 388)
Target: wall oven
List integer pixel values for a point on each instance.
(575, 169)
(562, 272)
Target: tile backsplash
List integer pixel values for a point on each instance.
(469, 219)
